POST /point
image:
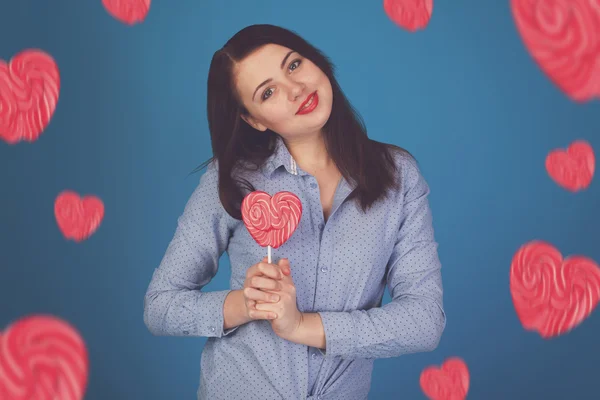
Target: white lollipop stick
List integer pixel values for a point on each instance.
(269, 253)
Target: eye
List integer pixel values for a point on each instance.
(295, 64)
(266, 94)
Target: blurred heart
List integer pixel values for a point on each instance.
(29, 89)
(42, 357)
(450, 382)
(129, 12)
(561, 36)
(572, 169)
(78, 218)
(551, 295)
(411, 15)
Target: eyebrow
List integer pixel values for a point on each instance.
(270, 79)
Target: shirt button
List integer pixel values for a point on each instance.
(212, 328)
(321, 226)
(313, 185)
(323, 269)
(314, 356)
(186, 333)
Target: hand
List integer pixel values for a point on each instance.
(289, 317)
(259, 278)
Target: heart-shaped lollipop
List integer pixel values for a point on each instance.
(271, 221)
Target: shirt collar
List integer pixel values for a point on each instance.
(281, 157)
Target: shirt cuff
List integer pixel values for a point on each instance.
(210, 310)
(340, 335)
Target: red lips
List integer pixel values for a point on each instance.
(315, 101)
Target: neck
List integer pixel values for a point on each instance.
(309, 152)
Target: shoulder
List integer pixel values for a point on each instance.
(206, 192)
(210, 176)
(408, 170)
(405, 162)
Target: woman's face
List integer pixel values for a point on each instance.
(283, 91)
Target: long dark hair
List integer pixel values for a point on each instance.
(365, 162)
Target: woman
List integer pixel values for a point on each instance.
(310, 325)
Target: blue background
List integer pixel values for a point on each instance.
(463, 96)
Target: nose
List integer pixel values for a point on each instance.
(296, 90)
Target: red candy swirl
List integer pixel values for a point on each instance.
(29, 89)
(572, 169)
(78, 218)
(450, 382)
(271, 221)
(129, 12)
(411, 15)
(551, 295)
(563, 37)
(42, 358)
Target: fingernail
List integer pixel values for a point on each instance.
(275, 298)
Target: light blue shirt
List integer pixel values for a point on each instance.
(340, 268)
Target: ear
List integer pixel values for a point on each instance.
(254, 123)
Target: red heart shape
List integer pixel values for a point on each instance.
(572, 169)
(129, 12)
(42, 357)
(78, 218)
(551, 295)
(29, 88)
(271, 221)
(559, 35)
(411, 15)
(450, 382)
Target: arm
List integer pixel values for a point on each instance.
(234, 310)
(175, 304)
(414, 320)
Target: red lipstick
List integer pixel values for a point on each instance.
(312, 100)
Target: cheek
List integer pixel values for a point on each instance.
(276, 113)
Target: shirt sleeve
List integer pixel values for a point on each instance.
(414, 320)
(174, 304)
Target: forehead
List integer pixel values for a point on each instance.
(259, 65)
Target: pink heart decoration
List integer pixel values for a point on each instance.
(572, 169)
(411, 15)
(561, 36)
(450, 382)
(552, 296)
(43, 358)
(78, 218)
(129, 12)
(29, 89)
(271, 221)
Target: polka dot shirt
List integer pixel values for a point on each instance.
(340, 268)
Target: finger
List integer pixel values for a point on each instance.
(260, 282)
(270, 270)
(265, 307)
(255, 294)
(284, 264)
(253, 270)
(259, 314)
